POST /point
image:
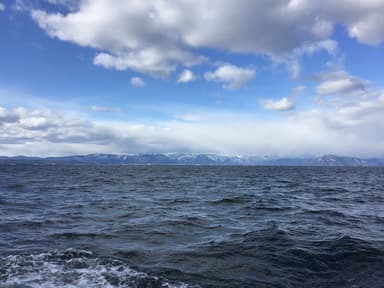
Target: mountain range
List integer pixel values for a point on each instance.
(194, 159)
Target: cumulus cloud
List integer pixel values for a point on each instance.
(337, 86)
(46, 132)
(137, 82)
(369, 30)
(339, 82)
(361, 18)
(7, 116)
(128, 32)
(2, 7)
(232, 77)
(186, 76)
(283, 104)
(155, 37)
(43, 132)
(153, 61)
(30, 120)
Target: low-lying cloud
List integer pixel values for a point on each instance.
(348, 130)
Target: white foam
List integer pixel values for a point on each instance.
(72, 269)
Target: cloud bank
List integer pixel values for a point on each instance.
(347, 130)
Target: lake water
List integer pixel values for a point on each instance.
(191, 226)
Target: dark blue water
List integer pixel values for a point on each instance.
(167, 226)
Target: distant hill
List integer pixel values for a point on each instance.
(194, 159)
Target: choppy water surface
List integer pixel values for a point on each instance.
(167, 226)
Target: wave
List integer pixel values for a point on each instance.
(74, 268)
(233, 200)
(274, 258)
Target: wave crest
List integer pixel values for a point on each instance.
(74, 268)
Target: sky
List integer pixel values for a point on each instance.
(266, 78)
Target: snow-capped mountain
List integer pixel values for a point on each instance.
(195, 159)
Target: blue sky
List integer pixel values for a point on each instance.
(287, 78)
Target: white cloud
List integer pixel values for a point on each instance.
(339, 82)
(369, 30)
(338, 86)
(152, 61)
(104, 109)
(231, 76)
(300, 89)
(126, 32)
(21, 5)
(322, 28)
(283, 104)
(327, 45)
(68, 3)
(292, 61)
(186, 76)
(362, 19)
(155, 37)
(7, 116)
(2, 7)
(137, 82)
(293, 67)
(354, 129)
(71, 5)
